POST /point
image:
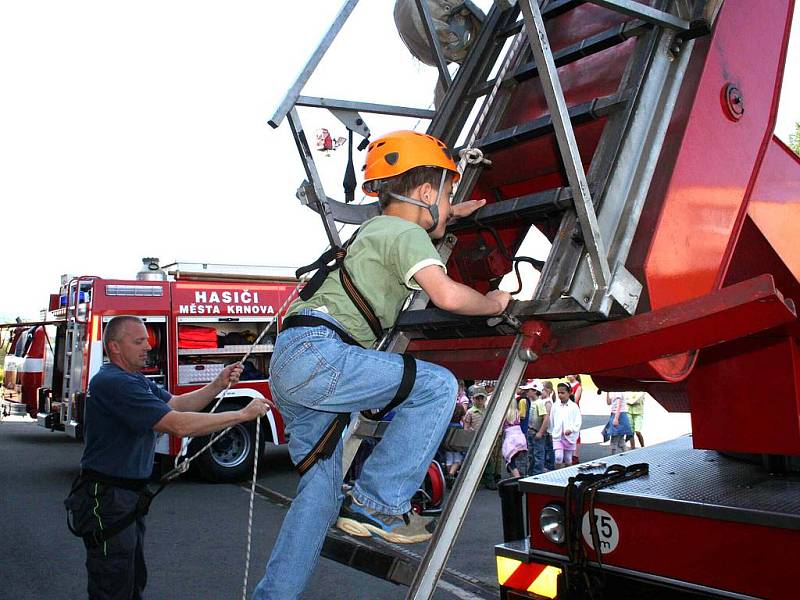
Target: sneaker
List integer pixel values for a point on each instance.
(359, 520)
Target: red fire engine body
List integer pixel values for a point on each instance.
(636, 138)
(197, 323)
(715, 331)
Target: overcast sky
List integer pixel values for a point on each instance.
(139, 129)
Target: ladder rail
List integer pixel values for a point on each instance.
(433, 39)
(455, 510)
(289, 101)
(568, 147)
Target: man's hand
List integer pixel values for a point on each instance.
(501, 298)
(465, 209)
(258, 407)
(229, 375)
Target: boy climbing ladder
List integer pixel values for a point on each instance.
(323, 367)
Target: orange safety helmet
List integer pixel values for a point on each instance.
(400, 151)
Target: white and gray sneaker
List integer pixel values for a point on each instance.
(359, 520)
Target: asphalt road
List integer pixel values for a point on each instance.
(196, 535)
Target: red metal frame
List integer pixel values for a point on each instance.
(722, 209)
(726, 555)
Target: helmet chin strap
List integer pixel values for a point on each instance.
(433, 209)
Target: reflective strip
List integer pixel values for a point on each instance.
(531, 577)
(96, 514)
(546, 584)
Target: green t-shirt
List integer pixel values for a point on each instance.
(386, 254)
(635, 402)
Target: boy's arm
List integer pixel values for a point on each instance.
(545, 425)
(458, 298)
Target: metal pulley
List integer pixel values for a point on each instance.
(456, 25)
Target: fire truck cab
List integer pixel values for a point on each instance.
(198, 321)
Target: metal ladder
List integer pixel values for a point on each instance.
(597, 212)
(74, 343)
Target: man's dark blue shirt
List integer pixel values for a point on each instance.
(121, 410)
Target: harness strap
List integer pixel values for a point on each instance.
(97, 537)
(311, 321)
(403, 390)
(328, 262)
(361, 303)
(582, 489)
(323, 268)
(326, 445)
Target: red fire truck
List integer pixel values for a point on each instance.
(198, 317)
(635, 137)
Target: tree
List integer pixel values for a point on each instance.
(794, 138)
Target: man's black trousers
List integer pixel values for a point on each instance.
(116, 567)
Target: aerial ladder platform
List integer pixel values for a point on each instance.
(637, 138)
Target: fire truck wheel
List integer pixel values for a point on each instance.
(231, 457)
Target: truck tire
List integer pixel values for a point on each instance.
(231, 457)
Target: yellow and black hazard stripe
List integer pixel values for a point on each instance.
(541, 580)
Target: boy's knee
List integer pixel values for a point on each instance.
(439, 378)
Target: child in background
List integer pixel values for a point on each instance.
(476, 413)
(454, 458)
(538, 437)
(635, 402)
(566, 419)
(515, 446)
(577, 391)
(549, 398)
(462, 397)
(619, 425)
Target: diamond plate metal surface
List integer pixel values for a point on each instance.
(693, 482)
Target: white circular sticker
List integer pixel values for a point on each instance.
(607, 531)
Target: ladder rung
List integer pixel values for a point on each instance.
(434, 323)
(580, 113)
(370, 560)
(552, 10)
(586, 47)
(454, 439)
(523, 208)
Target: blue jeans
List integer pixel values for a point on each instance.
(549, 453)
(313, 375)
(542, 457)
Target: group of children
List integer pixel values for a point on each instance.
(541, 431)
(544, 423)
(625, 421)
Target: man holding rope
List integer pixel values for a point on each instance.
(124, 412)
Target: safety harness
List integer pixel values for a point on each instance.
(330, 261)
(97, 537)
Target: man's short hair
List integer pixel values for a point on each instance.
(404, 183)
(113, 329)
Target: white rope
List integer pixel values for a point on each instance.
(183, 466)
(250, 511)
(256, 452)
(474, 156)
